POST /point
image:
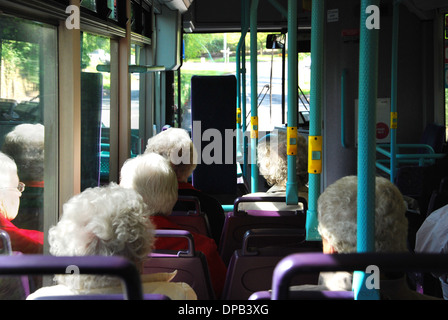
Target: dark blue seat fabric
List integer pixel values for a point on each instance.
(34, 264)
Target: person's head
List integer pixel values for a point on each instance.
(103, 221)
(25, 144)
(9, 187)
(175, 145)
(337, 216)
(273, 161)
(152, 176)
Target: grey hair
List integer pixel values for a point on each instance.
(337, 215)
(105, 221)
(273, 162)
(152, 176)
(25, 144)
(175, 145)
(8, 168)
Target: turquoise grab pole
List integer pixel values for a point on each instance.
(317, 48)
(368, 75)
(394, 83)
(292, 196)
(241, 86)
(253, 95)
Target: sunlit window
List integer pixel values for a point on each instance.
(28, 101)
(95, 110)
(214, 54)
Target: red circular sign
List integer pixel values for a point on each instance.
(382, 130)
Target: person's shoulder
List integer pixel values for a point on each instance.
(56, 290)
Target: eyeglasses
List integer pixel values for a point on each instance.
(20, 187)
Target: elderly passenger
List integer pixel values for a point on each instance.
(107, 221)
(22, 240)
(152, 176)
(176, 145)
(337, 215)
(272, 162)
(25, 144)
(432, 237)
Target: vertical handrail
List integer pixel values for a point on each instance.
(343, 105)
(394, 84)
(315, 156)
(253, 95)
(291, 184)
(368, 76)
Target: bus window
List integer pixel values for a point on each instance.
(214, 54)
(28, 111)
(445, 47)
(136, 99)
(95, 110)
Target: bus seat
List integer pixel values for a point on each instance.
(36, 264)
(299, 263)
(307, 295)
(12, 287)
(251, 267)
(146, 296)
(191, 265)
(192, 218)
(238, 222)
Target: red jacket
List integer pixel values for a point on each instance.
(202, 243)
(23, 240)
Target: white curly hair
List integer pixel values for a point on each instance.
(272, 159)
(106, 221)
(337, 216)
(175, 145)
(25, 144)
(152, 176)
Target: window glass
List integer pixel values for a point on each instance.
(136, 100)
(89, 4)
(214, 54)
(445, 55)
(95, 110)
(27, 104)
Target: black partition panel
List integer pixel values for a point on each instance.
(213, 113)
(91, 101)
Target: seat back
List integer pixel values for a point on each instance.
(238, 222)
(304, 263)
(250, 268)
(194, 220)
(35, 264)
(191, 265)
(12, 287)
(146, 296)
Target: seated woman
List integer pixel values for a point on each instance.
(175, 145)
(25, 144)
(272, 162)
(151, 175)
(108, 221)
(337, 215)
(22, 240)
